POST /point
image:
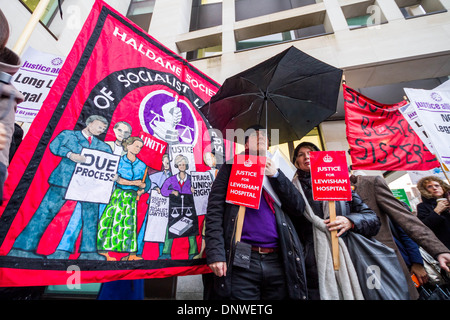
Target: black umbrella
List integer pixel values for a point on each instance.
(292, 92)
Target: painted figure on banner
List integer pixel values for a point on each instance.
(122, 130)
(68, 145)
(157, 216)
(183, 220)
(117, 230)
(209, 158)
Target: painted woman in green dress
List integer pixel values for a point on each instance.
(117, 230)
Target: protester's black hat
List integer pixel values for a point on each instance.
(306, 144)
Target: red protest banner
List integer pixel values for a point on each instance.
(116, 83)
(246, 179)
(380, 138)
(329, 176)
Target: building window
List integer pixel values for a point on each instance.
(204, 53)
(47, 18)
(363, 14)
(287, 149)
(203, 2)
(140, 12)
(298, 34)
(247, 9)
(205, 14)
(412, 9)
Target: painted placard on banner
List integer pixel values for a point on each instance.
(157, 218)
(246, 180)
(201, 182)
(329, 176)
(380, 138)
(433, 109)
(129, 104)
(93, 179)
(152, 151)
(34, 80)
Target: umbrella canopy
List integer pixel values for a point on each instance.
(292, 92)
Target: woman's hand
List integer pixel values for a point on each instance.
(441, 206)
(341, 223)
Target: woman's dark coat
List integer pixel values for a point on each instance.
(364, 219)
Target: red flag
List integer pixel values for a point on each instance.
(117, 83)
(380, 138)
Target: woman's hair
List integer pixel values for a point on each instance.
(421, 186)
(180, 158)
(130, 140)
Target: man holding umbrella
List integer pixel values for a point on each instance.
(276, 263)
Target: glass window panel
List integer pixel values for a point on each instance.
(49, 13)
(210, 1)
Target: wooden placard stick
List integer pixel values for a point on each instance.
(334, 238)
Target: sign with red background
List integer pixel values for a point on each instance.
(329, 176)
(246, 180)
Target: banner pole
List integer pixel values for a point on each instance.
(31, 24)
(334, 238)
(443, 167)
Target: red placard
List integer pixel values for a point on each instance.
(246, 179)
(152, 151)
(329, 176)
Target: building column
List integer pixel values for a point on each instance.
(335, 19)
(228, 19)
(390, 10)
(170, 18)
(446, 4)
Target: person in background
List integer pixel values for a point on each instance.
(434, 210)
(375, 192)
(273, 252)
(410, 252)
(357, 218)
(10, 97)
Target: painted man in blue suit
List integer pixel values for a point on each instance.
(68, 145)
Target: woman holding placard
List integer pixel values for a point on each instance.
(358, 217)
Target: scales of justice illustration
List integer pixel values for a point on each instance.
(185, 223)
(164, 126)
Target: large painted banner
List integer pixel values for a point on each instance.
(380, 138)
(102, 184)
